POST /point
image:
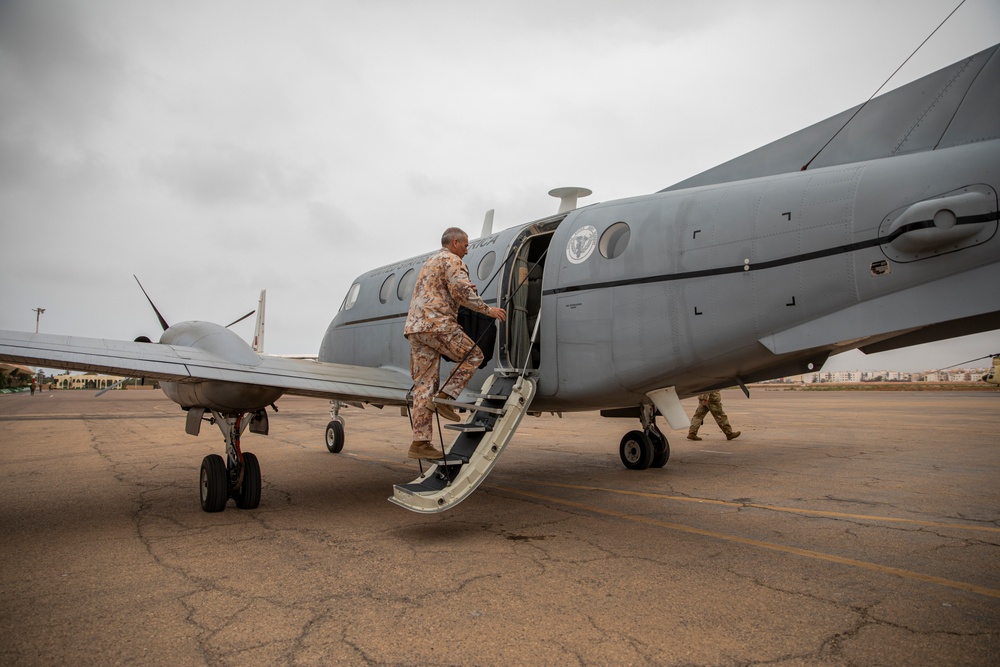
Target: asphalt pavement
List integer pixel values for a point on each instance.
(841, 528)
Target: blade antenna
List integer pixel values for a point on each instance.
(163, 322)
(806, 165)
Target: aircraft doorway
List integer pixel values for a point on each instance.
(522, 290)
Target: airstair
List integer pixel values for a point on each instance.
(481, 439)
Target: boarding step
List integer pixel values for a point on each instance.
(489, 397)
(450, 460)
(470, 406)
(479, 442)
(469, 428)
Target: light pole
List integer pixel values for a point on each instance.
(38, 316)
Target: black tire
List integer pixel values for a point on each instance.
(214, 486)
(335, 436)
(248, 495)
(661, 448)
(636, 450)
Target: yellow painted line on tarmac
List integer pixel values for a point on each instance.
(874, 567)
(775, 508)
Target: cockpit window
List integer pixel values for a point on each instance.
(615, 239)
(405, 287)
(386, 291)
(352, 296)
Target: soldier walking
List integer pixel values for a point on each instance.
(711, 402)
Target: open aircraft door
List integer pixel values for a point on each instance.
(521, 291)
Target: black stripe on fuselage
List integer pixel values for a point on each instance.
(794, 259)
(369, 320)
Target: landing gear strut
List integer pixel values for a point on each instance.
(238, 476)
(647, 448)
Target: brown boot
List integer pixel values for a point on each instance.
(693, 436)
(421, 449)
(445, 410)
(732, 435)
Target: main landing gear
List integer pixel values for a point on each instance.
(335, 429)
(647, 448)
(238, 475)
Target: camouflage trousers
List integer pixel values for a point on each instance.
(711, 402)
(425, 368)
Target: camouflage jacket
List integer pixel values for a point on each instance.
(442, 286)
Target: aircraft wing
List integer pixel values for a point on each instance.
(177, 363)
(921, 314)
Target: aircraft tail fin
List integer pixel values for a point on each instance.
(954, 106)
(258, 328)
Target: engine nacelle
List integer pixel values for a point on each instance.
(220, 395)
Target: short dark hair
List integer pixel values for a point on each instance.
(452, 234)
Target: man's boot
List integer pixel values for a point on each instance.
(421, 449)
(444, 410)
(732, 435)
(693, 436)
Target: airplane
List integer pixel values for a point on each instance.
(874, 229)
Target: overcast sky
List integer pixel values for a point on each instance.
(218, 148)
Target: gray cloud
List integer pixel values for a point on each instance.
(222, 173)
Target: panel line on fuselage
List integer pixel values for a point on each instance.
(792, 259)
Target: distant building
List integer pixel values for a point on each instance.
(87, 381)
(847, 377)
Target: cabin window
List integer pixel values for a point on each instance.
(486, 265)
(614, 240)
(352, 296)
(405, 287)
(386, 291)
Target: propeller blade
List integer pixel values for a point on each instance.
(241, 319)
(114, 386)
(163, 322)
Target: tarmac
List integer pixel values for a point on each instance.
(841, 528)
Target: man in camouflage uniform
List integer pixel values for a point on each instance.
(711, 402)
(432, 329)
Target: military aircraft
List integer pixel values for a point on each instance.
(873, 229)
(993, 375)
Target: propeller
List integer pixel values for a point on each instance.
(163, 322)
(241, 319)
(962, 363)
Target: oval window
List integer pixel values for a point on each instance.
(390, 282)
(614, 240)
(486, 265)
(352, 296)
(405, 287)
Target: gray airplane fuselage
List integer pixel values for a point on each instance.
(718, 284)
(755, 269)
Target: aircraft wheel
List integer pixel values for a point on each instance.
(248, 497)
(335, 436)
(636, 450)
(661, 449)
(214, 485)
